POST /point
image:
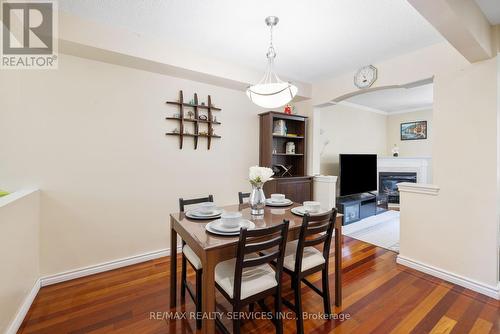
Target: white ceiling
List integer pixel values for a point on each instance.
(491, 9)
(314, 39)
(396, 100)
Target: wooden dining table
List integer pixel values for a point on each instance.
(212, 249)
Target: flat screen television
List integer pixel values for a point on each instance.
(358, 173)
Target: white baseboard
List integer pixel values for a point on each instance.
(23, 309)
(488, 290)
(77, 273)
(105, 266)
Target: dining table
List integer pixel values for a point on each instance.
(212, 249)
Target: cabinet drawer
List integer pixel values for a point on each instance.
(295, 189)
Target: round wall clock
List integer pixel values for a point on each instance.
(365, 77)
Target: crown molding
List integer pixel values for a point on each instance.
(405, 111)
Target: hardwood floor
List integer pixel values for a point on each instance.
(379, 297)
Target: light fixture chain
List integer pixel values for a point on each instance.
(271, 53)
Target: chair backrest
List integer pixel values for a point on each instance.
(242, 196)
(183, 202)
(271, 239)
(315, 230)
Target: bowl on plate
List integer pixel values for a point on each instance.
(312, 206)
(278, 197)
(206, 207)
(231, 219)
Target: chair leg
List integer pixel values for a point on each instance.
(298, 306)
(326, 292)
(198, 298)
(277, 313)
(251, 307)
(183, 276)
(183, 272)
(236, 321)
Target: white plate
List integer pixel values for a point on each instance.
(217, 228)
(301, 211)
(194, 214)
(286, 202)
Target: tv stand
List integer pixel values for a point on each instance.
(356, 207)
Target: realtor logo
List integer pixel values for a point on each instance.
(28, 34)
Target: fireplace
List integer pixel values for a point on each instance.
(388, 183)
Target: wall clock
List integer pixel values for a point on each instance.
(365, 77)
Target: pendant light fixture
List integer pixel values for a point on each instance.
(271, 91)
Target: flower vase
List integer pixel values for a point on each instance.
(257, 199)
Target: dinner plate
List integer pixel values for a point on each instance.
(301, 211)
(195, 214)
(286, 202)
(217, 228)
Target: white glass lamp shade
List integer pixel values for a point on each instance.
(271, 95)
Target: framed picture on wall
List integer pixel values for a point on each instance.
(414, 130)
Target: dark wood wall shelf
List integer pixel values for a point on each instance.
(191, 135)
(298, 186)
(194, 105)
(196, 120)
(193, 120)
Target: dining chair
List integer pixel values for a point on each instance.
(242, 196)
(302, 259)
(249, 278)
(194, 261)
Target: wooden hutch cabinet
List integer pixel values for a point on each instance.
(290, 168)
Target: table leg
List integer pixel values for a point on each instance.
(338, 264)
(208, 293)
(173, 264)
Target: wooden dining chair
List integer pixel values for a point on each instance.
(302, 259)
(242, 196)
(249, 278)
(193, 259)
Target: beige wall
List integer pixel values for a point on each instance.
(349, 130)
(460, 234)
(465, 102)
(409, 148)
(19, 252)
(92, 136)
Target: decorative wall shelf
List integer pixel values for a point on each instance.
(193, 120)
(196, 120)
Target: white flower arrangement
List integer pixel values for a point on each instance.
(259, 175)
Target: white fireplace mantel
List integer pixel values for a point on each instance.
(421, 166)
